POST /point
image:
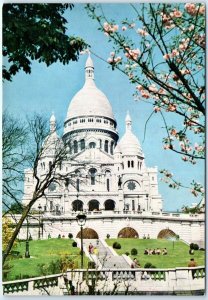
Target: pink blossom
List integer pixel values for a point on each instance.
(132, 25)
(191, 27)
(171, 107)
(124, 28)
(142, 32)
(185, 71)
(156, 109)
(145, 94)
(112, 54)
(177, 14)
(109, 60)
(139, 87)
(108, 28)
(117, 59)
(166, 56)
(173, 132)
(174, 53)
(133, 54)
(184, 158)
(166, 146)
(190, 8)
(153, 88)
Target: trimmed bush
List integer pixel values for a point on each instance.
(196, 247)
(149, 265)
(127, 253)
(91, 265)
(116, 245)
(191, 246)
(59, 236)
(108, 236)
(201, 249)
(134, 251)
(70, 235)
(74, 244)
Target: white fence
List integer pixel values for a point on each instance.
(114, 281)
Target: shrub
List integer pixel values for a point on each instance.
(134, 251)
(59, 236)
(70, 235)
(108, 236)
(192, 246)
(91, 265)
(127, 253)
(116, 245)
(196, 247)
(149, 265)
(201, 249)
(74, 244)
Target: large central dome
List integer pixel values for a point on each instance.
(89, 101)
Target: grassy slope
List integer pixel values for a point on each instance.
(42, 252)
(177, 257)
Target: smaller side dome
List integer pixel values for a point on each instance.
(117, 149)
(129, 144)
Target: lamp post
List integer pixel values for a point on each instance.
(27, 249)
(81, 220)
(39, 208)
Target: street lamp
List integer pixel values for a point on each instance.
(39, 208)
(81, 220)
(27, 250)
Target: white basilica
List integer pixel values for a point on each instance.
(102, 173)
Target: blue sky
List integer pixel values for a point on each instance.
(49, 89)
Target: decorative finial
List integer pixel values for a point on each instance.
(128, 121)
(89, 68)
(52, 123)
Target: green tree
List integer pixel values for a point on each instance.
(161, 50)
(36, 32)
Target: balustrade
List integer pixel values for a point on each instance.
(143, 279)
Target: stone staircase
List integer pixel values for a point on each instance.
(106, 258)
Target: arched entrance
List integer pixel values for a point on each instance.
(166, 234)
(93, 205)
(77, 205)
(109, 205)
(88, 233)
(128, 232)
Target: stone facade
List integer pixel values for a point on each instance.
(105, 177)
(104, 174)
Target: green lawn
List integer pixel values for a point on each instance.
(177, 256)
(43, 252)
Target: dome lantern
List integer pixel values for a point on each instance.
(89, 69)
(52, 123)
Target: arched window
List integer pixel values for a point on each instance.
(109, 205)
(92, 175)
(132, 163)
(108, 184)
(75, 147)
(106, 146)
(93, 205)
(77, 205)
(128, 163)
(111, 148)
(92, 145)
(82, 144)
